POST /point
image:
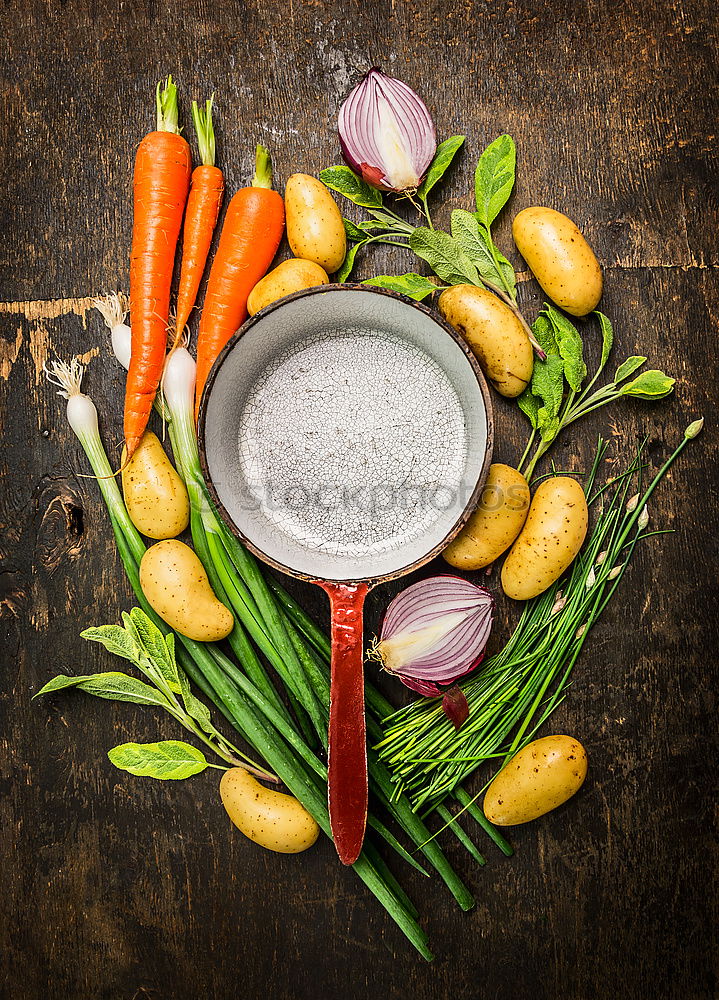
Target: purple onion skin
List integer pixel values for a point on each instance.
(370, 175)
(455, 706)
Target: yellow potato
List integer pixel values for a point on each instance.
(495, 523)
(314, 223)
(536, 780)
(175, 583)
(551, 537)
(272, 819)
(289, 276)
(494, 333)
(559, 258)
(155, 496)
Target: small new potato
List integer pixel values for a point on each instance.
(314, 223)
(494, 333)
(495, 523)
(288, 277)
(175, 584)
(538, 779)
(552, 535)
(271, 819)
(155, 496)
(559, 258)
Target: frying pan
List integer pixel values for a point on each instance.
(345, 435)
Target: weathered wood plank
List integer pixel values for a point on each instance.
(116, 887)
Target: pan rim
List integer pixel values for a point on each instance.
(469, 507)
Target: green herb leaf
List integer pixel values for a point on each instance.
(543, 330)
(529, 404)
(353, 231)
(112, 685)
(492, 265)
(196, 709)
(649, 385)
(628, 368)
(446, 152)
(170, 759)
(346, 182)
(548, 385)
(349, 262)
(161, 655)
(415, 286)
(494, 178)
(444, 255)
(607, 338)
(116, 640)
(570, 346)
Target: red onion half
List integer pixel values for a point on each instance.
(387, 133)
(435, 632)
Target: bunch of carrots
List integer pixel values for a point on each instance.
(166, 188)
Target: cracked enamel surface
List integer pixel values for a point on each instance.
(329, 425)
(352, 443)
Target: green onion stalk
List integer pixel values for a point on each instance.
(209, 668)
(238, 581)
(294, 646)
(518, 688)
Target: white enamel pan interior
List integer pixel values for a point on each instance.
(345, 432)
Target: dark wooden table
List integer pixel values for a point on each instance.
(121, 888)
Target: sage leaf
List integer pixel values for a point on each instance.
(116, 640)
(529, 404)
(346, 182)
(607, 338)
(112, 685)
(415, 286)
(547, 424)
(161, 655)
(444, 255)
(548, 385)
(544, 334)
(492, 265)
(446, 152)
(570, 347)
(167, 760)
(628, 368)
(649, 385)
(194, 707)
(349, 262)
(494, 178)
(353, 231)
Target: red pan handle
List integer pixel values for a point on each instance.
(347, 755)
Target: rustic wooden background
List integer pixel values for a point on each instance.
(122, 888)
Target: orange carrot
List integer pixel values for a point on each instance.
(161, 182)
(252, 230)
(203, 207)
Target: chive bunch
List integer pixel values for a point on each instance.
(517, 689)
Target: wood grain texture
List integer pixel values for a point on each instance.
(118, 888)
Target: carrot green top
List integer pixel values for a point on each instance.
(205, 132)
(166, 101)
(263, 168)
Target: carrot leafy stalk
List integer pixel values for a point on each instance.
(251, 233)
(161, 183)
(203, 207)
